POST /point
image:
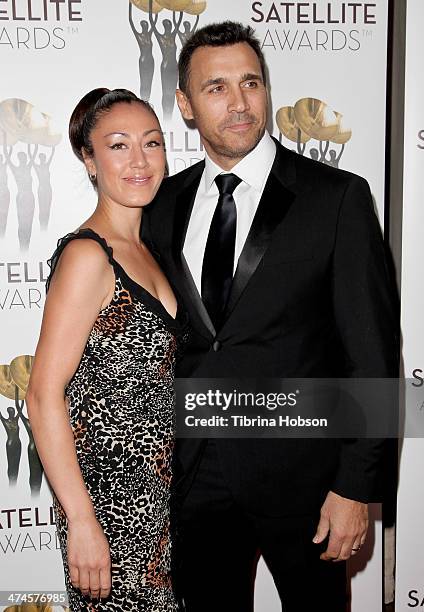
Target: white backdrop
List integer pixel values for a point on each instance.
(53, 53)
(410, 552)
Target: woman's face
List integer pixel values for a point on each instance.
(129, 155)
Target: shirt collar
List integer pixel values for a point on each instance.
(253, 169)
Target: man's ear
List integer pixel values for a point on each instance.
(184, 105)
(89, 163)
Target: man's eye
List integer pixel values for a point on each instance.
(251, 84)
(216, 89)
(117, 146)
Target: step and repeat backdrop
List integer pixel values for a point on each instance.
(410, 551)
(327, 66)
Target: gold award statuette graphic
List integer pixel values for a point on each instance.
(288, 126)
(174, 5)
(192, 7)
(14, 379)
(167, 31)
(28, 139)
(196, 7)
(8, 387)
(20, 120)
(309, 119)
(143, 5)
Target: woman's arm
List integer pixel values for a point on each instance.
(82, 284)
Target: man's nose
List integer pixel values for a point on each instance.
(238, 101)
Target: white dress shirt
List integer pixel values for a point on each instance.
(253, 170)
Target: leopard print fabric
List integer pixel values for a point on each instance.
(121, 407)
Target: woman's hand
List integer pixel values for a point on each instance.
(89, 557)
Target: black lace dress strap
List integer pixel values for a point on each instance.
(85, 232)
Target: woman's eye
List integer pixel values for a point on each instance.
(154, 143)
(117, 146)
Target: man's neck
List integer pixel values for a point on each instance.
(223, 161)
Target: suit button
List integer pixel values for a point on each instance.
(216, 346)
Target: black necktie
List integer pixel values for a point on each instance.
(218, 261)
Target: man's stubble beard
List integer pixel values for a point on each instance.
(221, 149)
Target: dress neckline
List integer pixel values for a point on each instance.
(138, 288)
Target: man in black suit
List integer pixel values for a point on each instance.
(280, 262)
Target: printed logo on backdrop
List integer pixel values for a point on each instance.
(416, 598)
(418, 382)
(28, 140)
(26, 274)
(38, 24)
(27, 530)
(25, 527)
(314, 26)
(14, 380)
(169, 23)
(420, 144)
(317, 130)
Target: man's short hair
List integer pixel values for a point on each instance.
(217, 35)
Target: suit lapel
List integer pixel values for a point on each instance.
(184, 205)
(276, 200)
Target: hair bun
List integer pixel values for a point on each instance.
(83, 110)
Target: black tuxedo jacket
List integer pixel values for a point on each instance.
(311, 297)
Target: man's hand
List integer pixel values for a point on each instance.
(347, 522)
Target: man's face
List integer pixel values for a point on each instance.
(227, 100)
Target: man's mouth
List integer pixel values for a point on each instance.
(240, 127)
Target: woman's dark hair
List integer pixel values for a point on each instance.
(88, 111)
(217, 35)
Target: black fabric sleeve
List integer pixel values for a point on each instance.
(366, 314)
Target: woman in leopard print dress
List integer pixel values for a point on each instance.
(109, 349)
